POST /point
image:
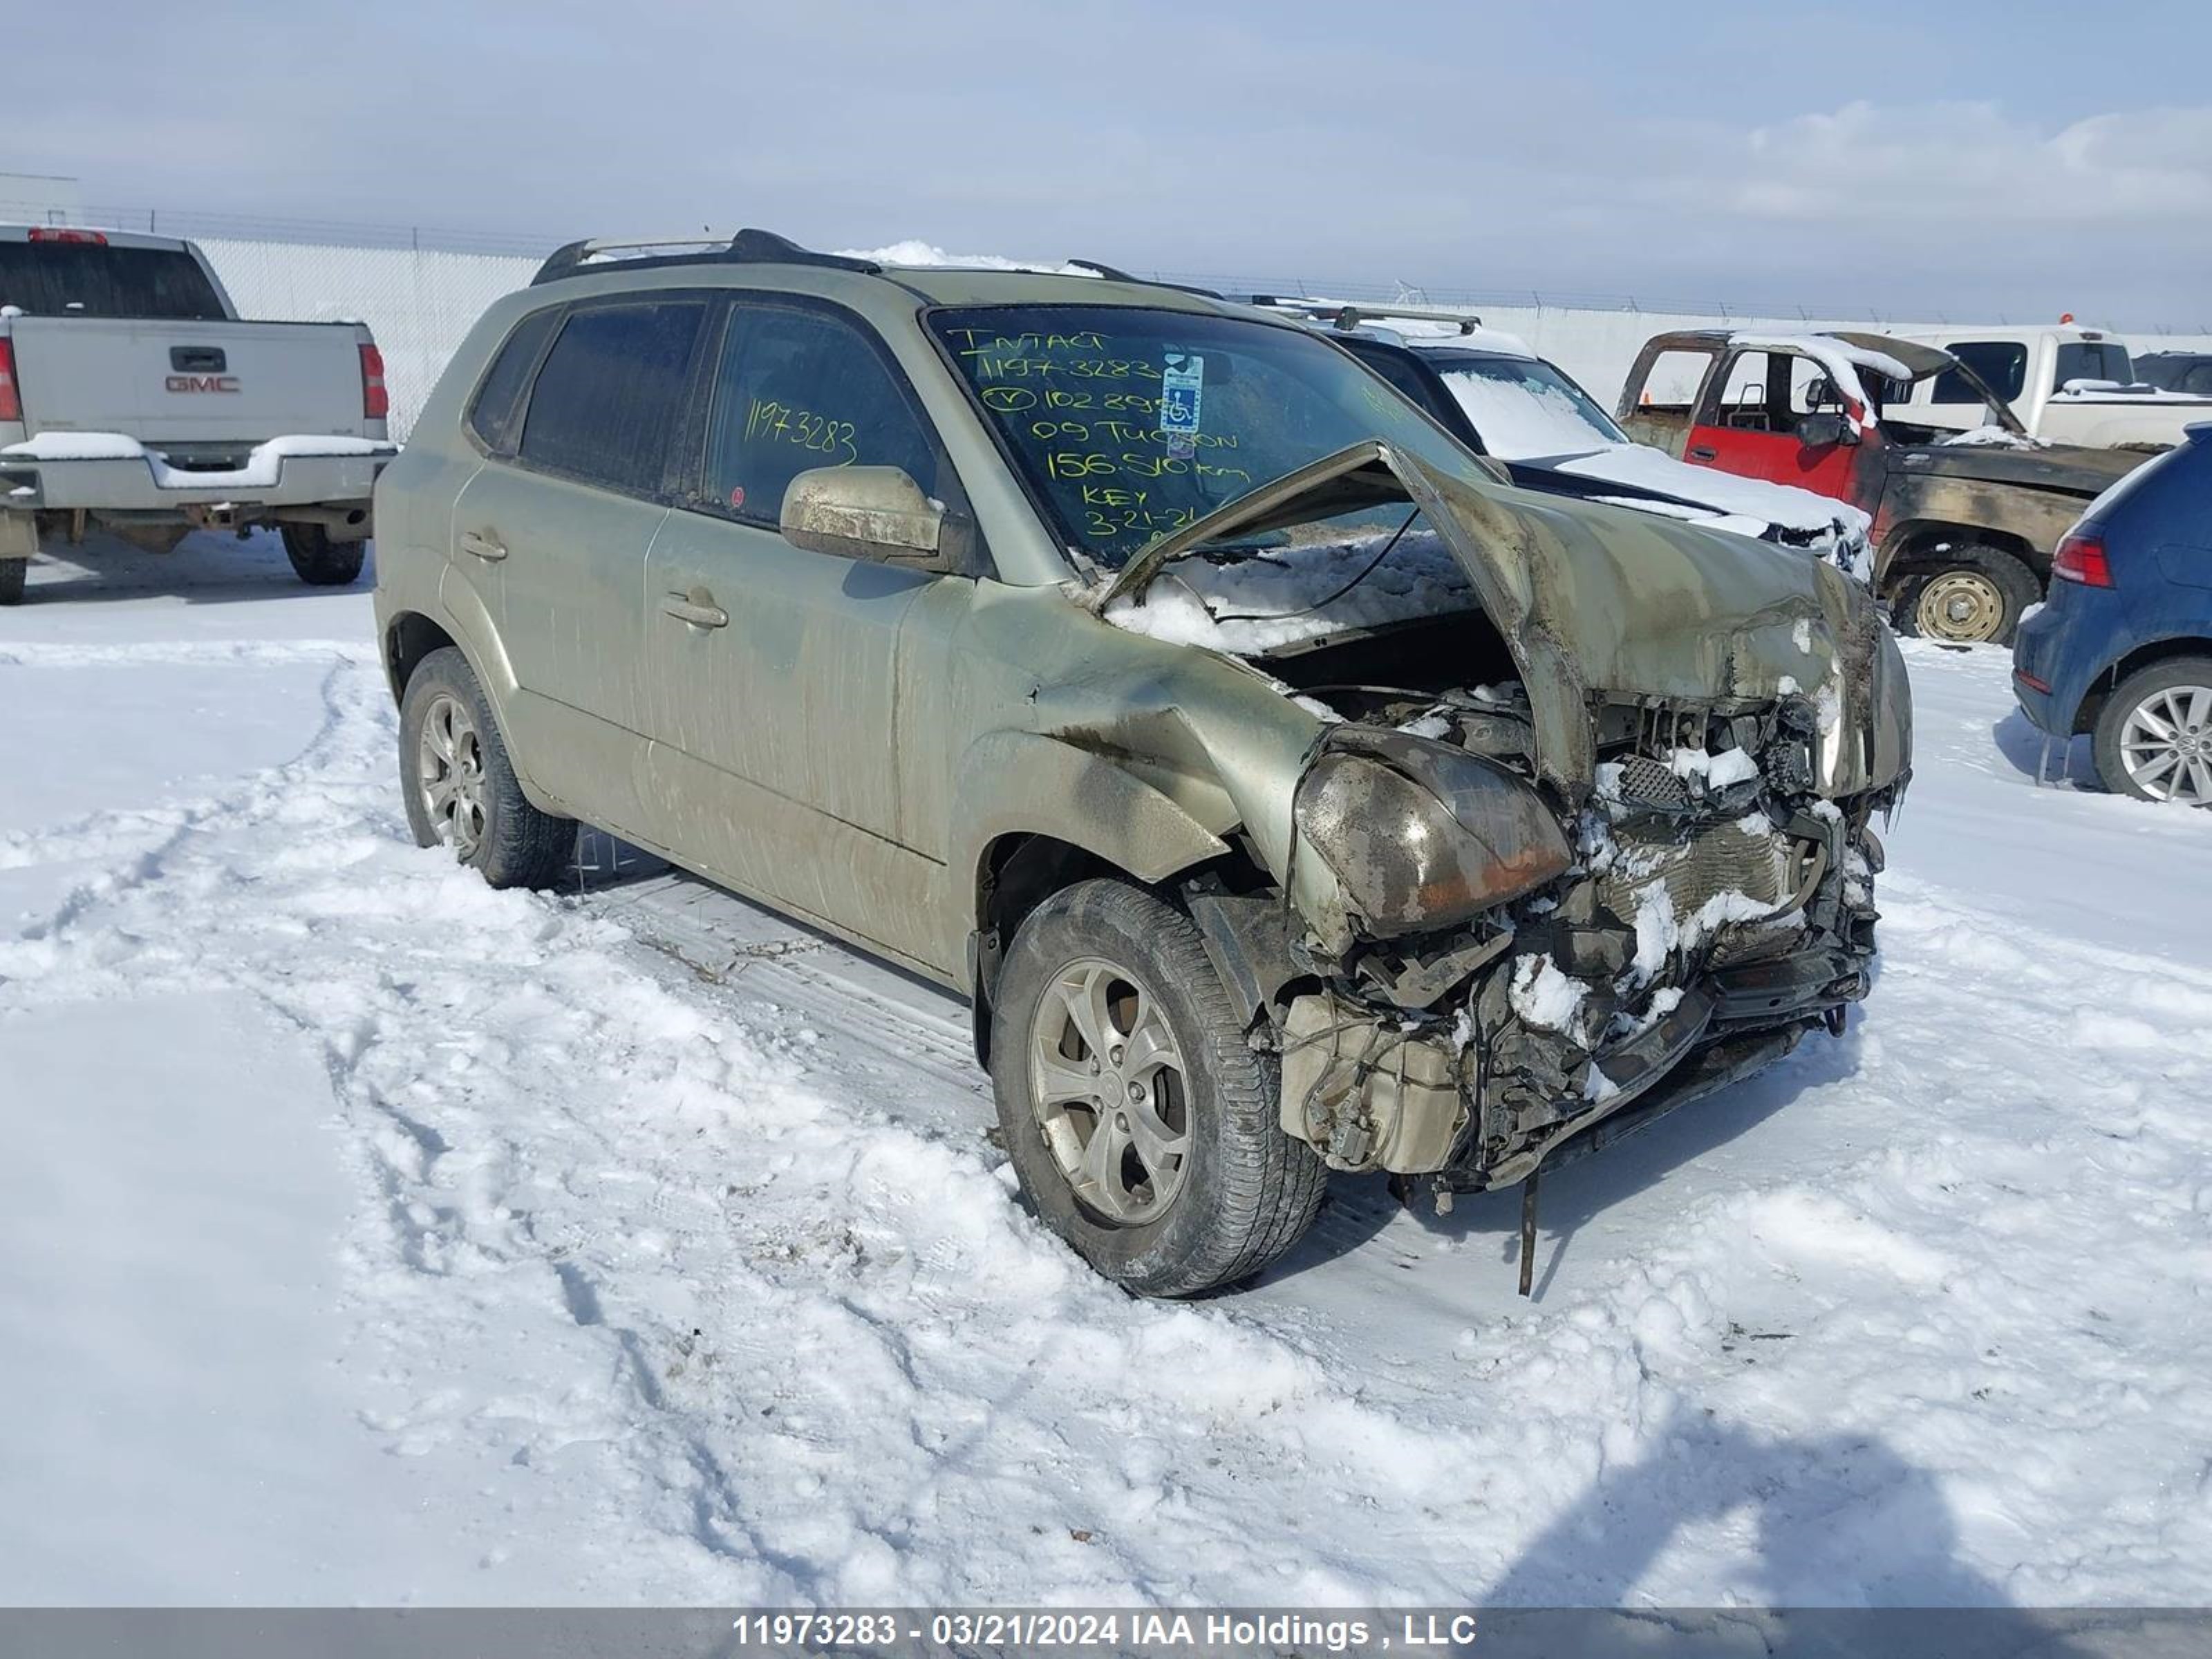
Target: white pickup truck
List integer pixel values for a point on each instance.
(2067, 385)
(132, 396)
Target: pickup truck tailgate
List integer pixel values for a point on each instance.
(189, 382)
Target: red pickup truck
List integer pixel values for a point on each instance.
(1965, 523)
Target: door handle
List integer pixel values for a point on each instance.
(484, 544)
(1704, 453)
(699, 612)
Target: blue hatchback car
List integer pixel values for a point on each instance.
(2123, 648)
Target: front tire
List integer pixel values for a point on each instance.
(2153, 735)
(460, 786)
(1974, 595)
(317, 560)
(1142, 1124)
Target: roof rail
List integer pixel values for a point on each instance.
(746, 247)
(1350, 317)
(1114, 275)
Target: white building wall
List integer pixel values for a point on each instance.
(420, 303)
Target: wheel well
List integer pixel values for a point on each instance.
(411, 637)
(1917, 547)
(1019, 871)
(2101, 689)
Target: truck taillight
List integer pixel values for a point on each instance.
(375, 401)
(61, 233)
(11, 400)
(2080, 558)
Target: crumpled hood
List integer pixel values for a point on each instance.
(1598, 604)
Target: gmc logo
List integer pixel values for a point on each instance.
(202, 383)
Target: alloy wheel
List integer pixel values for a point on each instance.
(449, 769)
(1110, 1091)
(2166, 745)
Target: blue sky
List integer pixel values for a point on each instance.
(1959, 158)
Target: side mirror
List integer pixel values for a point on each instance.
(1821, 431)
(873, 513)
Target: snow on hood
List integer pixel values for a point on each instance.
(1990, 435)
(1750, 498)
(1272, 600)
(1747, 506)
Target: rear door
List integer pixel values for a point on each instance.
(556, 532)
(1747, 422)
(775, 695)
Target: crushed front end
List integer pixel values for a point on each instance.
(1520, 982)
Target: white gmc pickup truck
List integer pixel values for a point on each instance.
(2067, 385)
(132, 396)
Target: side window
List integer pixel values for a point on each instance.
(492, 411)
(800, 389)
(2002, 363)
(2198, 380)
(612, 393)
(1674, 379)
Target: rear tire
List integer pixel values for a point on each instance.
(1106, 957)
(2153, 735)
(460, 786)
(12, 574)
(1970, 595)
(319, 561)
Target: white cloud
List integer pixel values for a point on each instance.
(1952, 162)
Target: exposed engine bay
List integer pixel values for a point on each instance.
(1513, 986)
(1594, 831)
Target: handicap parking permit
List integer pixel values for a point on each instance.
(1182, 391)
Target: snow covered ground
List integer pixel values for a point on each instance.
(374, 1237)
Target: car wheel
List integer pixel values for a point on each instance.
(12, 574)
(460, 786)
(319, 561)
(2154, 736)
(1977, 596)
(1142, 1124)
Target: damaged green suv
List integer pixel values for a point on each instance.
(1287, 790)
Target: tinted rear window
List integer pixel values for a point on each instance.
(2098, 360)
(85, 279)
(499, 399)
(2002, 363)
(611, 392)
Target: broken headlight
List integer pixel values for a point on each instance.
(1422, 836)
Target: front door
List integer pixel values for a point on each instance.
(782, 695)
(1760, 417)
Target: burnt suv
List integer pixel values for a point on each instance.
(1285, 789)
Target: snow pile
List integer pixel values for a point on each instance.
(1989, 435)
(1274, 598)
(921, 253)
(1544, 995)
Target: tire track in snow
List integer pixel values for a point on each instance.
(825, 1358)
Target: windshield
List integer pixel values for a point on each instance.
(90, 279)
(1523, 408)
(1130, 422)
